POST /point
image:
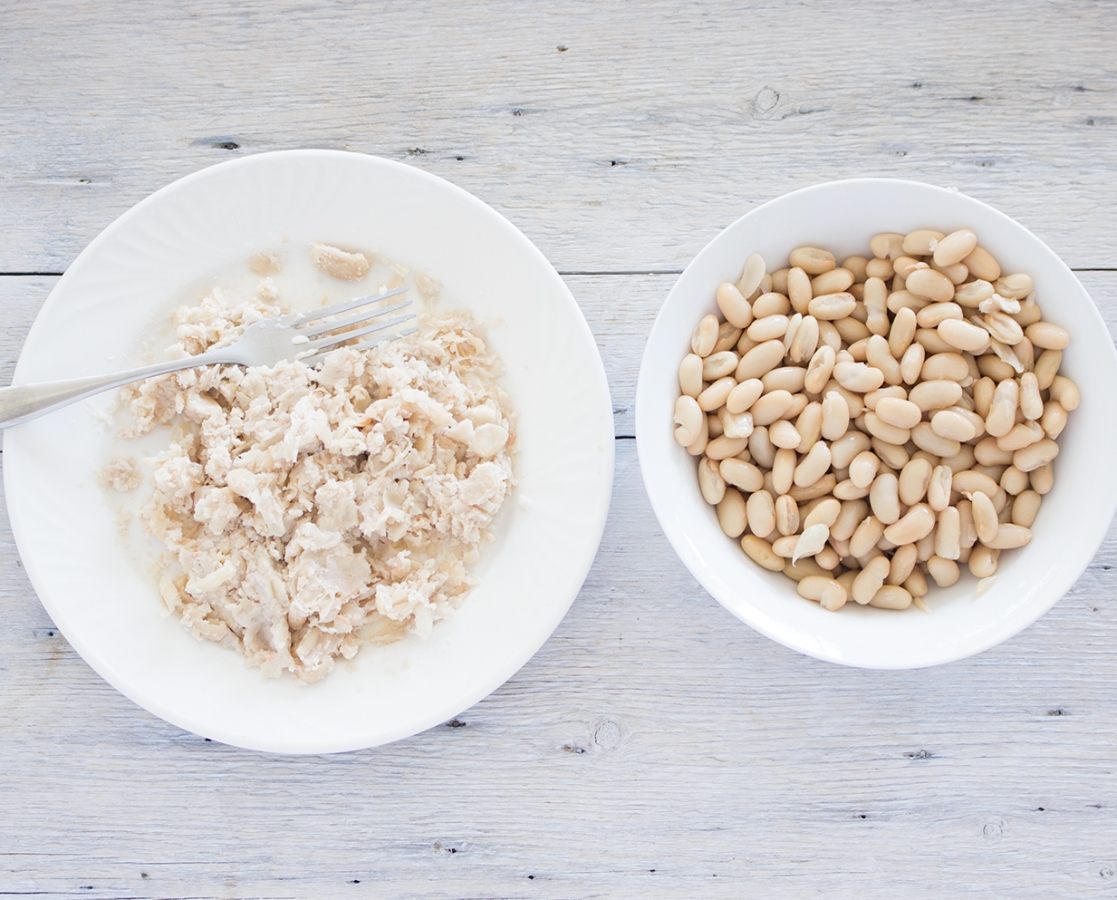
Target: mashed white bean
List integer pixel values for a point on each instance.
(307, 512)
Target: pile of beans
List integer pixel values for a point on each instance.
(863, 426)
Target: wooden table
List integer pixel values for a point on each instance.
(655, 746)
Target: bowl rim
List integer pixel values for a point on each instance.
(649, 431)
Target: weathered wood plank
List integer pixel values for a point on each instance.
(653, 731)
(626, 151)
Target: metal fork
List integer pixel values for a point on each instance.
(307, 336)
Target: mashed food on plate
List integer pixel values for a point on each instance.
(309, 511)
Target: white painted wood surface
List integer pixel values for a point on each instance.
(655, 746)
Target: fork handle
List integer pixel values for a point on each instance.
(22, 402)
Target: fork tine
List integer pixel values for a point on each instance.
(364, 345)
(334, 339)
(344, 306)
(366, 316)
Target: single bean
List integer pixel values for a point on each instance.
(966, 526)
(1030, 313)
(1002, 411)
(845, 448)
(960, 461)
(741, 474)
(984, 517)
(779, 281)
(902, 332)
(724, 447)
(819, 369)
(915, 478)
(911, 363)
(761, 510)
(1014, 481)
(983, 561)
(1021, 435)
(700, 443)
(813, 466)
(787, 517)
(922, 242)
(970, 481)
(1065, 393)
(1015, 287)
(973, 294)
(688, 420)
(916, 523)
(939, 487)
(903, 561)
(916, 585)
(690, 375)
(767, 329)
(886, 245)
(847, 490)
(783, 470)
(858, 377)
(1047, 367)
(833, 281)
(884, 498)
(930, 285)
(905, 265)
(805, 343)
(865, 536)
(925, 438)
(812, 260)
(1009, 536)
(931, 343)
(705, 336)
(832, 307)
(898, 413)
(878, 428)
(964, 335)
(934, 315)
(879, 268)
(982, 265)
(735, 425)
(798, 289)
(955, 247)
(1042, 479)
(733, 305)
(864, 468)
(804, 568)
(783, 434)
(825, 485)
(1054, 419)
(716, 394)
(770, 304)
(850, 330)
(760, 360)
(870, 579)
(751, 275)
(744, 395)
(770, 407)
(1025, 508)
(951, 424)
(891, 455)
(731, 513)
(988, 453)
(761, 553)
(1035, 456)
(718, 365)
(825, 512)
(761, 448)
(948, 535)
(992, 367)
(944, 570)
(950, 366)
(835, 416)
(853, 512)
(891, 596)
(809, 424)
(710, 481)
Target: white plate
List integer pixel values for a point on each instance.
(99, 591)
(841, 216)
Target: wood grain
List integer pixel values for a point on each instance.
(655, 746)
(626, 151)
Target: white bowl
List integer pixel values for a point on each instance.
(842, 216)
(101, 591)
